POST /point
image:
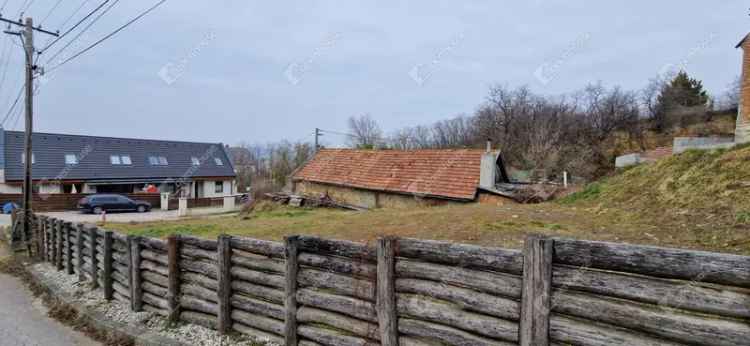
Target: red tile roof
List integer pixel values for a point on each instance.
(436, 173)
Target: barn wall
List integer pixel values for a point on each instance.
(367, 198)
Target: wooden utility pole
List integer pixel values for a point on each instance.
(317, 134)
(28, 46)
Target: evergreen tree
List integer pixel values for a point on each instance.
(683, 91)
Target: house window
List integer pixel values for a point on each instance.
(125, 159)
(218, 161)
(71, 159)
(163, 160)
(23, 158)
(195, 161)
(153, 160)
(219, 187)
(114, 159)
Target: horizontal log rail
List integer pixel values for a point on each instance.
(311, 291)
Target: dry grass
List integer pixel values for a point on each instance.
(504, 226)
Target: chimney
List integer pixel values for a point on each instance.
(742, 131)
(488, 168)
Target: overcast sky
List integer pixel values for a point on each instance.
(259, 71)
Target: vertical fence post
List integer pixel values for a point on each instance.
(34, 235)
(136, 292)
(68, 249)
(386, 297)
(79, 252)
(94, 261)
(40, 237)
(536, 292)
(290, 290)
(59, 242)
(173, 258)
(50, 240)
(107, 265)
(42, 225)
(224, 253)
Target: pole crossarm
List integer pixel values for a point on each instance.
(38, 28)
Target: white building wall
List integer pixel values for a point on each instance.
(50, 188)
(209, 188)
(5, 188)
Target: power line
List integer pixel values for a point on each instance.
(25, 9)
(50, 12)
(5, 57)
(12, 107)
(67, 20)
(54, 40)
(339, 133)
(110, 34)
(83, 30)
(17, 117)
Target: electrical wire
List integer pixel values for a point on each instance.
(109, 35)
(12, 107)
(25, 9)
(86, 28)
(5, 58)
(3, 6)
(50, 12)
(17, 117)
(58, 38)
(339, 133)
(66, 21)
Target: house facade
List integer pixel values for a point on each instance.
(397, 179)
(67, 164)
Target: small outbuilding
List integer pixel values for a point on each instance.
(404, 178)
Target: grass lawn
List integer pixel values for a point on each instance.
(487, 225)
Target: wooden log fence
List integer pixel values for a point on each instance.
(409, 292)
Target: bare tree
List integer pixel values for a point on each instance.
(366, 132)
(731, 98)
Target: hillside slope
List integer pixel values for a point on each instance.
(701, 190)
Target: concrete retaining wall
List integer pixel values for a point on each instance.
(702, 143)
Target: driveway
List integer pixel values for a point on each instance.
(154, 215)
(24, 321)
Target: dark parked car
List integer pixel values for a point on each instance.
(98, 203)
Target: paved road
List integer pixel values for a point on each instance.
(154, 215)
(24, 321)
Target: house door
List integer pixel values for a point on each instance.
(198, 189)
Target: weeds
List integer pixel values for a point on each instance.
(590, 192)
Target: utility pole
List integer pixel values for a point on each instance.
(317, 134)
(28, 45)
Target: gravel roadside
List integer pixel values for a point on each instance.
(119, 312)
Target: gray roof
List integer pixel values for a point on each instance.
(94, 152)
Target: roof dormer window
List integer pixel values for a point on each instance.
(157, 161)
(71, 159)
